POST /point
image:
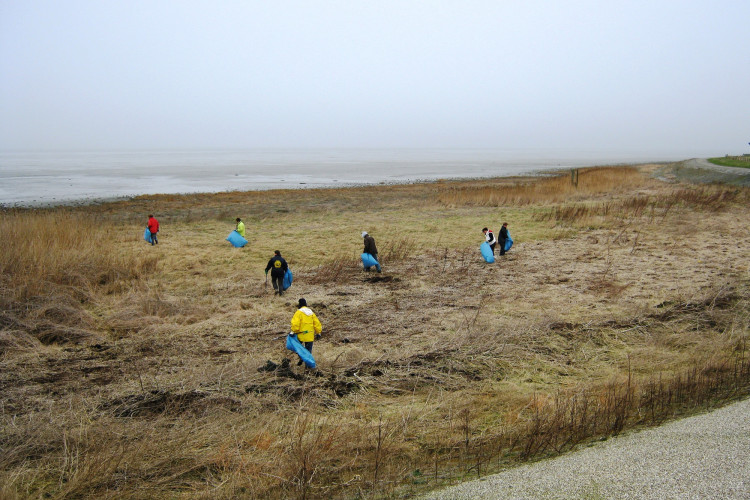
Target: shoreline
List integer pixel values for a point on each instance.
(78, 202)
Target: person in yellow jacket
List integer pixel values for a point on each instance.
(306, 325)
(240, 227)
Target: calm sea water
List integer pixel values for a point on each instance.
(49, 178)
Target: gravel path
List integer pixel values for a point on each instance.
(705, 456)
(701, 170)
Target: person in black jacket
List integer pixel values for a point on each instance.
(503, 237)
(371, 249)
(278, 268)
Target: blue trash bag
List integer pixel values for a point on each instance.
(294, 345)
(508, 243)
(368, 260)
(487, 253)
(236, 239)
(288, 278)
(147, 236)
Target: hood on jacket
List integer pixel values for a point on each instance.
(306, 310)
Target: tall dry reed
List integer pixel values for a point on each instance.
(543, 190)
(704, 198)
(51, 264)
(39, 249)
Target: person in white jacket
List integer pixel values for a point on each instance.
(490, 238)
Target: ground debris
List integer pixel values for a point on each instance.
(157, 402)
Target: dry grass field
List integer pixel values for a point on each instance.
(132, 371)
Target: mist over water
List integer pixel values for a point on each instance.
(50, 178)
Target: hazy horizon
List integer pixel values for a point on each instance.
(668, 77)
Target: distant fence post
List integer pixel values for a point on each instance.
(574, 176)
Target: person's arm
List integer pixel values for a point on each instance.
(296, 321)
(316, 325)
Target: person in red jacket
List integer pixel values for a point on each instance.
(153, 227)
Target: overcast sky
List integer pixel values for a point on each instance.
(654, 75)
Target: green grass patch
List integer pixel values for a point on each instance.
(732, 161)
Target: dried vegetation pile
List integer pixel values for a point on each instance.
(131, 371)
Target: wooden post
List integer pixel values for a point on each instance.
(574, 176)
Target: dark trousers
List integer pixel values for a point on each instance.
(502, 247)
(154, 241)
(278, 284)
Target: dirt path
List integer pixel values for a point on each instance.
(706, 456)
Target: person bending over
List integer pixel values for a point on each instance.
(371, 249)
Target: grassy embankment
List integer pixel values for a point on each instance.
(732, 161)
(131, 371)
